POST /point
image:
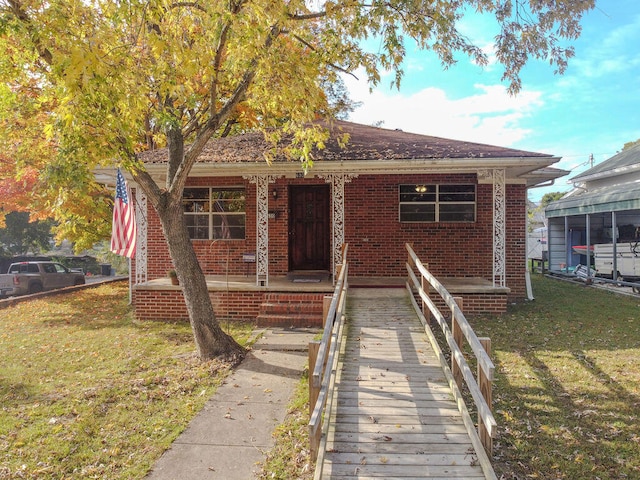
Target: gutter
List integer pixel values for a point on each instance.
(606, 174)
(516, 168)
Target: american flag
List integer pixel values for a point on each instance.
(123, 233)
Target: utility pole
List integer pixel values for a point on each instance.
(591, 160)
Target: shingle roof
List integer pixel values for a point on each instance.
(625, 158)
(365, 143)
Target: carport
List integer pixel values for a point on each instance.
(608, 215)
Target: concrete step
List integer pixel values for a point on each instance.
(274, 320)
(290, 309)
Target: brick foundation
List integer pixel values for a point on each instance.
(475, 303)
(285, 309)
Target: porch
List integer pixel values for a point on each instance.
(293, 300)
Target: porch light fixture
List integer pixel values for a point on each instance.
(421, 188)
(274, 193)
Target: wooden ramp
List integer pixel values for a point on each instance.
(392, 413)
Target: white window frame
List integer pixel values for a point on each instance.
(210, 212)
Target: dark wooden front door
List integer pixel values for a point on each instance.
(309, 228)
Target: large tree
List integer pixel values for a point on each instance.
(119, 77)
(21, 236)
(15, 191)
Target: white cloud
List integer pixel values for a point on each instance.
(611, 55)
(489, 115)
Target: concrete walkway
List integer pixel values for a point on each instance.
(230, 437)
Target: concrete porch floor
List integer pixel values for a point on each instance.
(235, 283)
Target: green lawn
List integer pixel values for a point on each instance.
(567, 396)
(88, 392)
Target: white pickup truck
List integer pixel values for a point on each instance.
(33, 277)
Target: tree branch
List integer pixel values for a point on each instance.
(217, 62)
(332, 65)
(148, 185)
(216, 68)
(307, 16)
(17, 8)
(228, 127)
(214, 123)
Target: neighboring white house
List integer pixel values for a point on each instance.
(537, 243)
(602, 209)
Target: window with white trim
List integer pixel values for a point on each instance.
(215, 213)
(444, 203)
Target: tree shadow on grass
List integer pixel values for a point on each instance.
(573, 420)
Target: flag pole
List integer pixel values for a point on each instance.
(124, 230)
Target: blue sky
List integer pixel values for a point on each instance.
(594, 108)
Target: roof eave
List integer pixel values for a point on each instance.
(522, 168)
(615, 172)
(545, 177)
(519, 166)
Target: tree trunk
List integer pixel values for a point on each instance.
(211, 340)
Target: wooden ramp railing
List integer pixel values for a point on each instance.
(392, 413)
(323, 358)
(384, 402)
(480, 389)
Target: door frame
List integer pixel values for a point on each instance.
(326, 234)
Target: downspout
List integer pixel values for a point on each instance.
(614, 236)
(567, 248)
(588, 237)
(527, 275)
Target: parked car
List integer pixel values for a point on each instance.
(33, 277)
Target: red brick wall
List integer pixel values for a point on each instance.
(265, 308)
(474, 303)
(376, 237)
(372, 228)
(168, 304)
(516, 241)
(214, 255)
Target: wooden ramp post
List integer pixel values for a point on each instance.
(314, 347)
(486, 388)
(458, 336)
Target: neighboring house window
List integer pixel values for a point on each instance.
(214, 213)
(437, 203)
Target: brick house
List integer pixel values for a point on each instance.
(269, 237)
